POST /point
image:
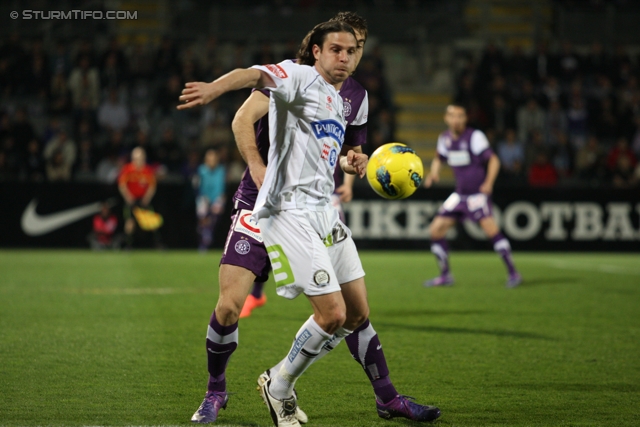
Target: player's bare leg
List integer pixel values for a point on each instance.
(502, 246)
(255, 299)
(440, 248)
(222, 338)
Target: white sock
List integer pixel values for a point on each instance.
(332, 343)
(306, 348)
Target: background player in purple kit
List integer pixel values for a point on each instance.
(475, 166)
(245, 259)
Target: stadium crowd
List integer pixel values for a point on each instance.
(557, 118)
(74, 111)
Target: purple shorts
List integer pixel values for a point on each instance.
(473, 207)
(245, 247)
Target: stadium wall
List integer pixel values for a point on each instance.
(59, 215)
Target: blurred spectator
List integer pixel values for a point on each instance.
(108, 168)
(621, 149)
(168, 94)
(166, 61)
(597, 63)
(511, 154)
(542, 173)
(568, 63)
(542, 64)
(5, 174)
(21, 129)
(140, 63)
(60, 62)
(84, 84)
(562, 156)
(501, 117)
(530, 118)
(59, 95)
(112, 74)
(623, 174)
(12, 158)
(556, 122)
(210, 201)
(104, 234)
(169, 152)
(113, 114)
(60, 155)
(87, 162)
(577, 122)
(265, 55)
(589, 160)
(34, 165)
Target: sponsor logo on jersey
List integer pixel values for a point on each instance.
(246, 224)
(328, 129)
(333, 157)
(277, 70)
(243, 247)
(326, 148)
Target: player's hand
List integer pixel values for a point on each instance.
(430, 180)
(258, 171)
(358, 161)
(486, 188)
(195, 94)
(345, 192)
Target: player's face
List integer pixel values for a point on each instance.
(456, 119)
(335, 61)
(360, 39)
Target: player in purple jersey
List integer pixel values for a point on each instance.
(475, 166)
(245, 260)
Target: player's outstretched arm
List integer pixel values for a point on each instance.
(354, 162)
(434, 172)
(200, 93)
(253, 109)
(493, 168)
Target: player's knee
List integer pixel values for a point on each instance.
(354, 320)
(332, 321)
(227, 313)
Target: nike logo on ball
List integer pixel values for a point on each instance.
(37, 225)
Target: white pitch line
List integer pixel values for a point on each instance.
(603, 268)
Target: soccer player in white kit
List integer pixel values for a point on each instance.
(311, 250)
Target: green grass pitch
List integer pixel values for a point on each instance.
(118, 339)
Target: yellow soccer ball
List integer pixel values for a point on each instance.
(394, 171)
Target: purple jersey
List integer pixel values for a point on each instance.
(356, 111)
(467, 156)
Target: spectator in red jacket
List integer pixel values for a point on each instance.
(621, 149)
(542, 173)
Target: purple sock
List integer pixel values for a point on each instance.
(365, 348)
(440, 249)
(222, 341)
(257, 289)
(503, 248)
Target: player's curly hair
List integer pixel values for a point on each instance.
(356, 21)
(317, 36)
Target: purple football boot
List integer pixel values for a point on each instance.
(208, 410)
(444, 280)
(403, 406)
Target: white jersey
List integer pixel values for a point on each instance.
(306, 133)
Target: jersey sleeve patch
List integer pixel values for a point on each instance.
(277, 71)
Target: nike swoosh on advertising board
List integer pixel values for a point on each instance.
(37, 225)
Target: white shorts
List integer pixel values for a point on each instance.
(302, 260)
